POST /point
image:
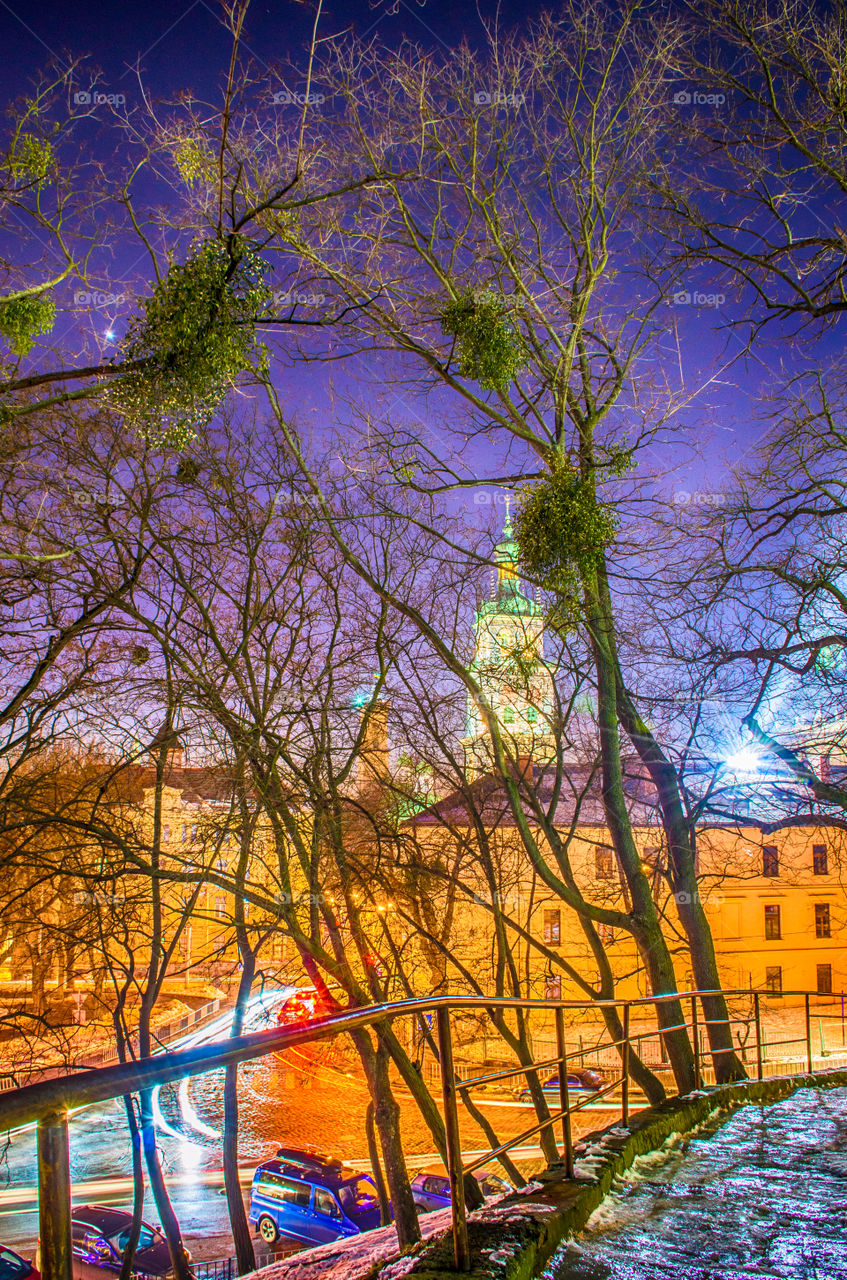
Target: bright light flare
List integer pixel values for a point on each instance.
(744, 760)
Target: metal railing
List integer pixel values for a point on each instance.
(48, 1102)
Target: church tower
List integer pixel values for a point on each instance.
(510, 669)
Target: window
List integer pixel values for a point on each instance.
(325, 1202)
(606, 933)
(531, 715)
(770, 860)
(279, 1188)
(820, 860)
(166, 832)
(220, 908)
(823, 927)
(184, 832)
(824, 979)
(436, 1186)
(604, 862)
(773, 927)
(552, 988)
(508, 715)
(553, 926)
(773, 978)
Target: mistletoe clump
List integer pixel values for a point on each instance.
(31, 159)
(193, 160)
(489, 346)
(562, 531)
(22, 320)
(196, 334)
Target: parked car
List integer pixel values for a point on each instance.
(432, 1190)
(311, 1198)
(14, 1267)
(587, 1080)
(306, 1005)
(100, 1235)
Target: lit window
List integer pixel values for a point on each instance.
(824, 979)
(820, 860)
(773, 978)
(553, 926)
(823, 927)
(604, 862)
(773, 927)
(770, 860)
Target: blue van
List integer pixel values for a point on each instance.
(311, 1199)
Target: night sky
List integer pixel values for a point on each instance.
(183, 45)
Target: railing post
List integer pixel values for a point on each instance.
(54, 1197)
(455, 1170)
(695, 1035)
(625, 1067)
(567, 1139)
(808, 1035)
(758, 1016)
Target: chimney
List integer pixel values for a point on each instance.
(372, 764)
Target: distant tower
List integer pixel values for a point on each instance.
(168, 739)
(510, 669)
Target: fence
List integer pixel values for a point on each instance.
(49, 1101)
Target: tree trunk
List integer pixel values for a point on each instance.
(137, 1191)
(387, 1121)
(426, 1105)
(245, 1257)
(167, 1217)
(376, 1167)
(683, 870)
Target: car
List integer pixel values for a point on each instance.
(311, 1198)
(306, 1005)
(586, 1080)
(14, 1267)
(432, 1190)
(99, 1235)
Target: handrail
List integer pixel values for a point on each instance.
(49, 1101)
